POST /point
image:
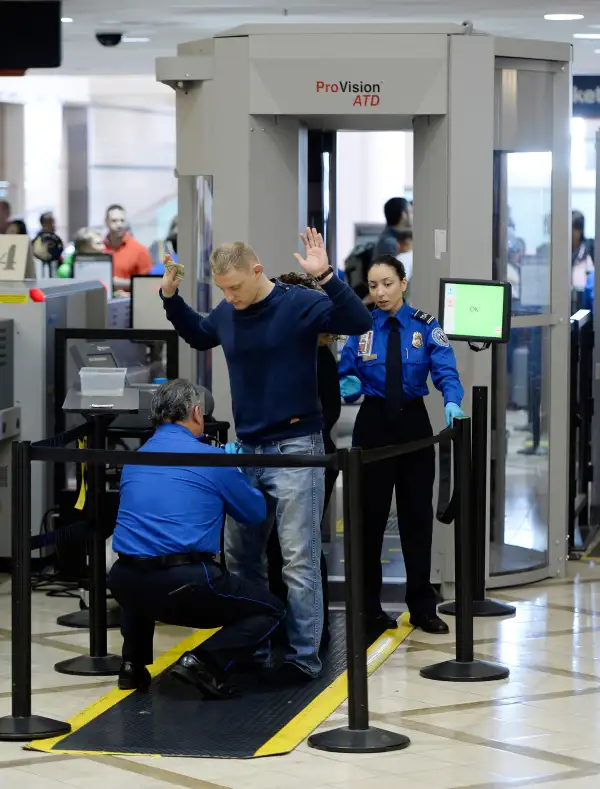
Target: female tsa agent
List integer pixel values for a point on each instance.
(390, 366)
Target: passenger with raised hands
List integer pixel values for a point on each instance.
(269, 333)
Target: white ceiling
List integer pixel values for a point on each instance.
(170, 22)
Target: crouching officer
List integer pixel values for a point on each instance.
(167, 535)
(390, 366)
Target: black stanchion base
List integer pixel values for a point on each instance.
(475, 671)
(33, 727)
(481, 608)
(81, 619)
(369, 740)
(88, 666)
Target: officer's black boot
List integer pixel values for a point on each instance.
(430, 623)
(195, 671)
(377, 623)
(134, 676)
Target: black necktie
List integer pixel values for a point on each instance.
(394, 394)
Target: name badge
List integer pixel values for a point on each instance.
(365, 344)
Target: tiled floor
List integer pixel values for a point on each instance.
(539, 728)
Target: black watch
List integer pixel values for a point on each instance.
(324, 275)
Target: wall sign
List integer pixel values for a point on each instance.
(586, 96)
(363, 94)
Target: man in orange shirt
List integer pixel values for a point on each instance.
(129, 256)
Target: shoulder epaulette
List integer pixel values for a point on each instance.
(424, 317)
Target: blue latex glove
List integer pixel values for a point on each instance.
(452, 411)
(350, 388)
(233, 448)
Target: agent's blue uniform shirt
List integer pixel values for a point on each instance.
(271, 353)
(167, 509)
(425, 349)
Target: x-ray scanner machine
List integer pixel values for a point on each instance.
(245, 102)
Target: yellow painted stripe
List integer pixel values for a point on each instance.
(330, 699)
(114, 696)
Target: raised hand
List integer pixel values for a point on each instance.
(172, 277)
(316, 261)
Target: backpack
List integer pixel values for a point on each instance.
(357, 265)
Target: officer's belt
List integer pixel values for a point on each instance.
(407, 405)
(162, 562)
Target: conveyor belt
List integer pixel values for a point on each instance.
(174, 720)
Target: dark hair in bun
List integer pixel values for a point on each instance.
(392, 262)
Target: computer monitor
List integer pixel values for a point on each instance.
(147, 311)
(98, 266)
(475, 310)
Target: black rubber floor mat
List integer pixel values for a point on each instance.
(175, 720)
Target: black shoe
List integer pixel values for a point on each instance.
(430, 623)
(133, 676)
(379, 623)
(286, 674)
(193, 671)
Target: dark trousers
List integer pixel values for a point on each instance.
(412, 476)
(274, 558)
(201, 596)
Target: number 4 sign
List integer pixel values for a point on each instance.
(16, 259)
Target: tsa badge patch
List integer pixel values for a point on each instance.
(365, 344)
(417, 340)
(439, 337)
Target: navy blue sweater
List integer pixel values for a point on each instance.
(271, 352)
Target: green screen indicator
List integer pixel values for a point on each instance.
(472, 310)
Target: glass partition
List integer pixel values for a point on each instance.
(519, 528)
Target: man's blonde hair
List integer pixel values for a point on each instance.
(234, 254)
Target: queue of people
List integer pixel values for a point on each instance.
(169, 521)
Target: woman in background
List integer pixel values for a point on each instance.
(88, 241)
(582, 263)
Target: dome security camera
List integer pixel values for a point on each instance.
(109, 39)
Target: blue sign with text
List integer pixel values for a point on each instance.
(586, 96)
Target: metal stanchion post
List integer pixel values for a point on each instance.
(482, 606)
(99, 662)
(22, 725)
(81, 619)
(464, 668)
(358, 736)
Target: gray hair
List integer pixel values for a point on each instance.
(174, 401)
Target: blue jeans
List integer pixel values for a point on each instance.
(295, 507)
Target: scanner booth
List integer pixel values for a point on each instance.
(247, 101)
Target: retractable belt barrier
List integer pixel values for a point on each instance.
(482, 605)
(358, 736)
